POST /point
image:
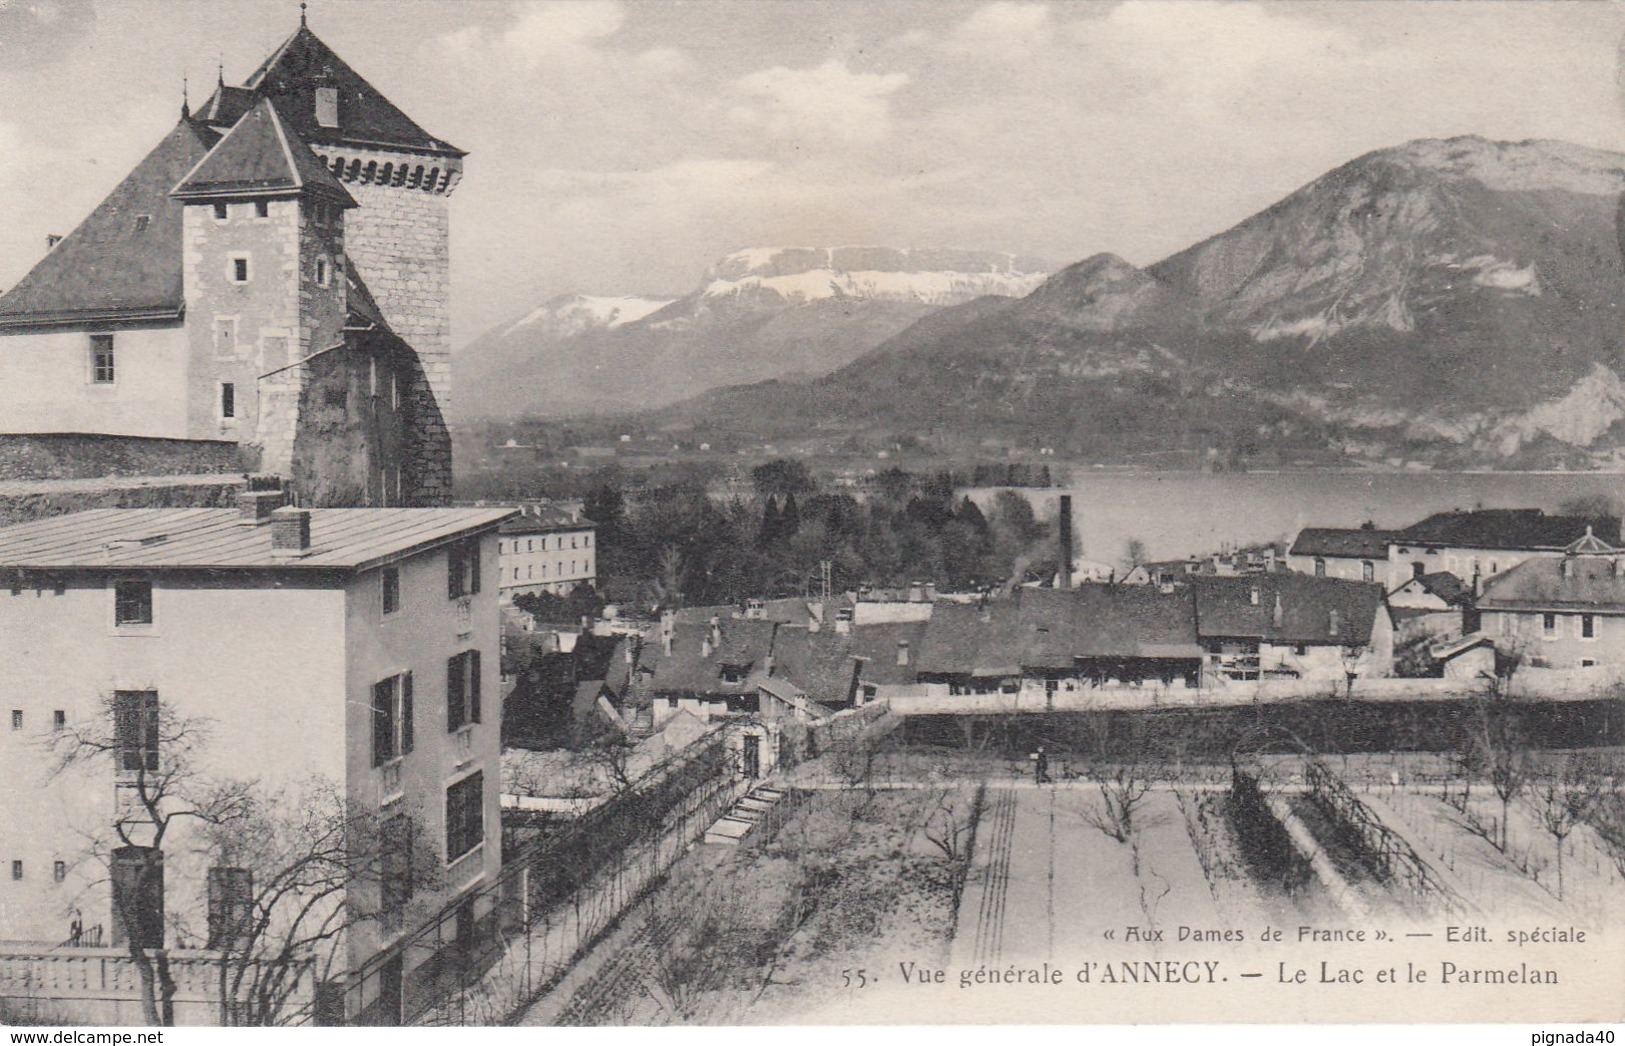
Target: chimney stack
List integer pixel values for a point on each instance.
(902, 652)
(1066, 540)
(1279, 615)
(715, 633)
(290, 530)
(256, 506)
(668, 627)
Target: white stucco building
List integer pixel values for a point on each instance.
(301, 649)
(547, 548)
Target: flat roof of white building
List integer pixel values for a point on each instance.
(219, 539)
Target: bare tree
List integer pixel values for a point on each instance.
(1564, 796)
(1496, 735)
(289, 870)
(1123, 789)
(951, 828)
(293, 874)
(152, 755)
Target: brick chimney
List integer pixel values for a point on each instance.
(290, 530)
(1066, 540)
(255, 506)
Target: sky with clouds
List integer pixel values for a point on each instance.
(621, 146)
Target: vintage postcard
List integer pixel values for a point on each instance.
(705, 512)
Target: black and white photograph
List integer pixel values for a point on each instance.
(736, 513)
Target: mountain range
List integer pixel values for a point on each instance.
(1444, 302)
(791, 313)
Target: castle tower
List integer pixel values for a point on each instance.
(398, 237)
(263, 268)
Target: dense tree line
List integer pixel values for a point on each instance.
(680, 544)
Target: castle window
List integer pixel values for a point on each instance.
(228, 399)
(238, 272)
(327, 106)
(142, 221)
(262, 208)
(16, 719)
(321, 272)
(221, 212)
(225, 337)
(59, 871)
(59, 720)
(101, 359)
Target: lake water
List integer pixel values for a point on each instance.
(1178, 514)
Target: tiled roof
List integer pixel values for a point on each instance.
(1501, 528)
(214, 539)
(1225, 607)
(544, 519)
(260, 156)
(226, 106)
(1591, 583)
(291, 76)
(878, 644)
(114, 265)
(1041, 628)
(1446, 586)
(690, 668)
(1355, 543)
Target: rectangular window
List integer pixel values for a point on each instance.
(101, 359)
(394, 390)
(231, 905)
(225, 337)
(462, 690)
(327, 106)
(392, 727)
(16, 869)
(262, 208)
(463, 570)
(391, 583)
(1548, 626)
(132, 603)
(16, 719)
(59, 871)
(221, 212)
(1588, 662)
(239, 269)
(59, 720)
(1588, 626)
(135, 729)
(321, 272)
(228, 399)
(465, 816)
(1368, 571)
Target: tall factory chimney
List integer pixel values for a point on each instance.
(1066, 540)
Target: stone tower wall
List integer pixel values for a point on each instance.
(398, 239)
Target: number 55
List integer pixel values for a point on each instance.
(854, 978)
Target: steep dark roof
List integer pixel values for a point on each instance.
(114, 266)
(226, 106)
(1354, 543)
(1225, 608)
(290, 77)
(545, 519)
(1446, 586)
(260, 156)
(1041, 628)
(1592, 583)
(878, 643)
(820, 663)
(689, 668)
(1505, 528)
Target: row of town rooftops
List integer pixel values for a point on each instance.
(1580, 582)
(716, 649)
(123, 263)
(1500, 529)
(260, 533)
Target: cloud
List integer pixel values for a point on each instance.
(827, 101)
(1004, 30)
(541, 31)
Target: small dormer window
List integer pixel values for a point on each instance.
(327, 106)
(142, 221)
